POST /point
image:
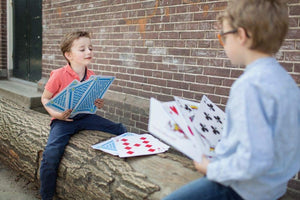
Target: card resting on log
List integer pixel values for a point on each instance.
(86, 173)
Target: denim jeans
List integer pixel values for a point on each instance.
(59, 136)
(204, 189)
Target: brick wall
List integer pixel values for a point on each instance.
(155, 48)
(3, 40)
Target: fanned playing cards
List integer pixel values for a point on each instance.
(80, 96)
(131, 144)
(190, 127)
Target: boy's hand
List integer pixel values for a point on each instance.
(99, 103)
(64, 115)
(202, 167)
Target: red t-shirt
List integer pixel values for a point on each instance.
(62, 77)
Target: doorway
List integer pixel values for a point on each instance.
(27, 39)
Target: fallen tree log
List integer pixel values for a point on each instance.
(85, 173)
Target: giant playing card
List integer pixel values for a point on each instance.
(164, 127)
(76, 91)
(80, 96)
(190, 127)
(209, 122)
(131, 144)
(60, 101)
(109, 146)
(96, 90)
(139, 145)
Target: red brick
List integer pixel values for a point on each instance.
(167, 75)
(294, 10)
(156, 89)
(292, 56)
(181, 52)
(236, 73)
(216, 71)
(202, 88)
(228, 82)
(180, 26)
(293, 34)
(288, 66)
(203, 53)
(189, 78)
(297, 67)
(222, 91)
(203, 44)
(159, 82)
(177, 84)
(296, 77)
(139, 79)
(188, 94)
(190, 61)
(177, 93)
(178, 77)
(201, 79)
(297, 45)
(191, 44)
(168, 35)
(215, 81)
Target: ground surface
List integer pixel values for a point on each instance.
(14, 186)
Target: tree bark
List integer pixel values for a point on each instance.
(85, 173)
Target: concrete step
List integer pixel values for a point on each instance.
(21, 92)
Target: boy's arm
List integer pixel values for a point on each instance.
(247, 148)
(202, 166)
(57, 115)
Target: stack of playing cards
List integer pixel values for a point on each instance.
(131, 144)
(192, 128)
(80, 96)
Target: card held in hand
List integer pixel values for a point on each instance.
(190, 127)
(209, 122)
(80, 96)
(96, 90)
(164, 127)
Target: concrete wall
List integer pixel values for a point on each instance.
(3, 40)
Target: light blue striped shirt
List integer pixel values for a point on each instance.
(260, 147)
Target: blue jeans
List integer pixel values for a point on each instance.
(59, 136)
(204, 189)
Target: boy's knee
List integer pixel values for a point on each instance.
(52, 156)
(123, 129)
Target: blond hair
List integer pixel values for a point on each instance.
(265, 20)
(69, 38)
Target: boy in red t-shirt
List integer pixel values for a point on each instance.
(77, 49)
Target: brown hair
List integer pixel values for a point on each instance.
(68, 39)
(265, 20)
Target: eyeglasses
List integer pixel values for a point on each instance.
(222, 34)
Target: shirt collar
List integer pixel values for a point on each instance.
(71, 72)
(260, 62)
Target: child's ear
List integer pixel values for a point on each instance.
(68, 55)
(243, 37)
